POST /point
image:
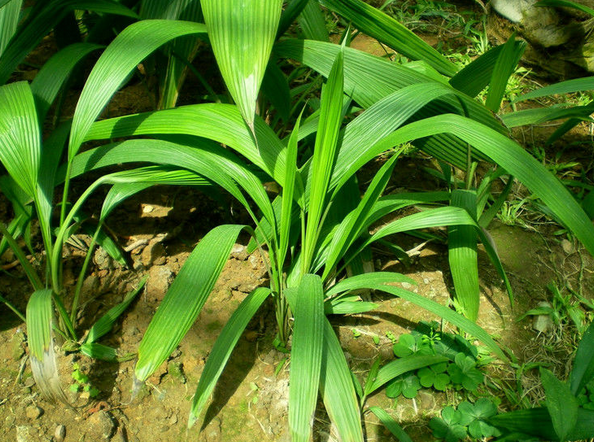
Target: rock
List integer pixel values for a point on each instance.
(33, 412)
(153, 253)
(102, 426)
(60, 433)
(543, 323)
(160, 278)
(213, 430)
(23, 434)
(239, 252)
(567, 247)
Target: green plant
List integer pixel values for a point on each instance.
(318, 226)
(465, 420)
(459, 369)
(566, 415)
(81, 382)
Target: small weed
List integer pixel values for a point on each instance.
(81, 382)
(467, 420)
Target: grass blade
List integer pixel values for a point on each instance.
(463, 258)
(563, 87)
(566, 4)
(242, 33)
(306, 356)
(185, 298)
(222, 349)
(41, 345)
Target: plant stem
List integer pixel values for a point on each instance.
(80, 280)
(29, 270)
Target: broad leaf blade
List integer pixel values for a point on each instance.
(129, 48)
(54, 74)
(463, 258)
(10, 11)
(20, 139)
(401, 366)
(223, 347)
(337, 389)
(561, 404)
(504, 68)
(242, 33)
(306, 356)
(185, 298)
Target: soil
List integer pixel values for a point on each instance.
(160, 227)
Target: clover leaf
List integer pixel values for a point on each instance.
(464, 372)
(408, 385)
(434, 376)
(448, 426)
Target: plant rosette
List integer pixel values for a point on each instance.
(467, 419)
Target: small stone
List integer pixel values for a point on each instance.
(239, 252)
(152, 253)
(426, 281)
(17, 346)
(543, 323)
(29, 382)
(567, 247)
(146, 208)
(33, 412)
(406, 285)
(254, 261)
(60, 433)
(102, 425)
(23, 434)
(160, 278)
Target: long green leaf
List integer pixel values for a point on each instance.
(223, 347)
(242, 33)
(389, 422)
(306, 356)
(40, 23)
(377, 24)
(20, 138)
(476, 76)
(337, 389)
(54, 74)
(219, 122)
(566, 4)
(564, 87)
(504, 68)
(583, 364)
(291, 12)
(463, 258)
(129, 48)
(43, 359)
(106, 322)
(185, 298)
(313, 23)
(381, 281)
(10, 11)
(400, 366)
(561, 404)
(512, 158)
(324, 158)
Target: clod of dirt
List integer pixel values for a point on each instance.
(212, 432)
(18, 346)
(33, 412)
(23, 434)
(101, 426)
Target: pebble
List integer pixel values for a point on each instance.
(102, 425)
(33, 412)
(23, 433)
(406, 285)
(60, 433)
